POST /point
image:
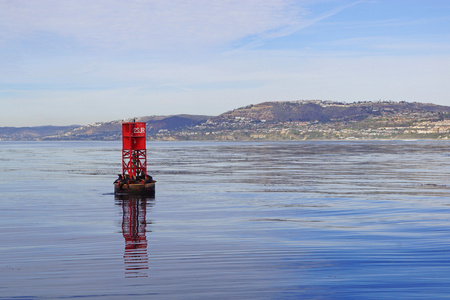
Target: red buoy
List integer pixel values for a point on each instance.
(134, 177)
(134, 151)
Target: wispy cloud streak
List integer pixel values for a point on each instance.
(298, 24)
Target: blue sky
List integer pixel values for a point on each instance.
(82, 61)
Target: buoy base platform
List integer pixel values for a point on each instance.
(135, 187)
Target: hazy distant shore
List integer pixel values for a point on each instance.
(271, 121)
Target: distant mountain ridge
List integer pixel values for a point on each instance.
(173, 122)
(99, 130)
(267, 120)
(113, 130)
(32, 133)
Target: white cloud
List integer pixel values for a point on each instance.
(145, 24)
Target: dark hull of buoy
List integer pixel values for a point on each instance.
(136, 188)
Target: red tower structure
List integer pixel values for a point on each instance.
(134, 178)
(134, 151)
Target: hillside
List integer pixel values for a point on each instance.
(292, 120)
(325, 111)
(315, 119)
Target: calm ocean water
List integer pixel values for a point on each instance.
(281, 220)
